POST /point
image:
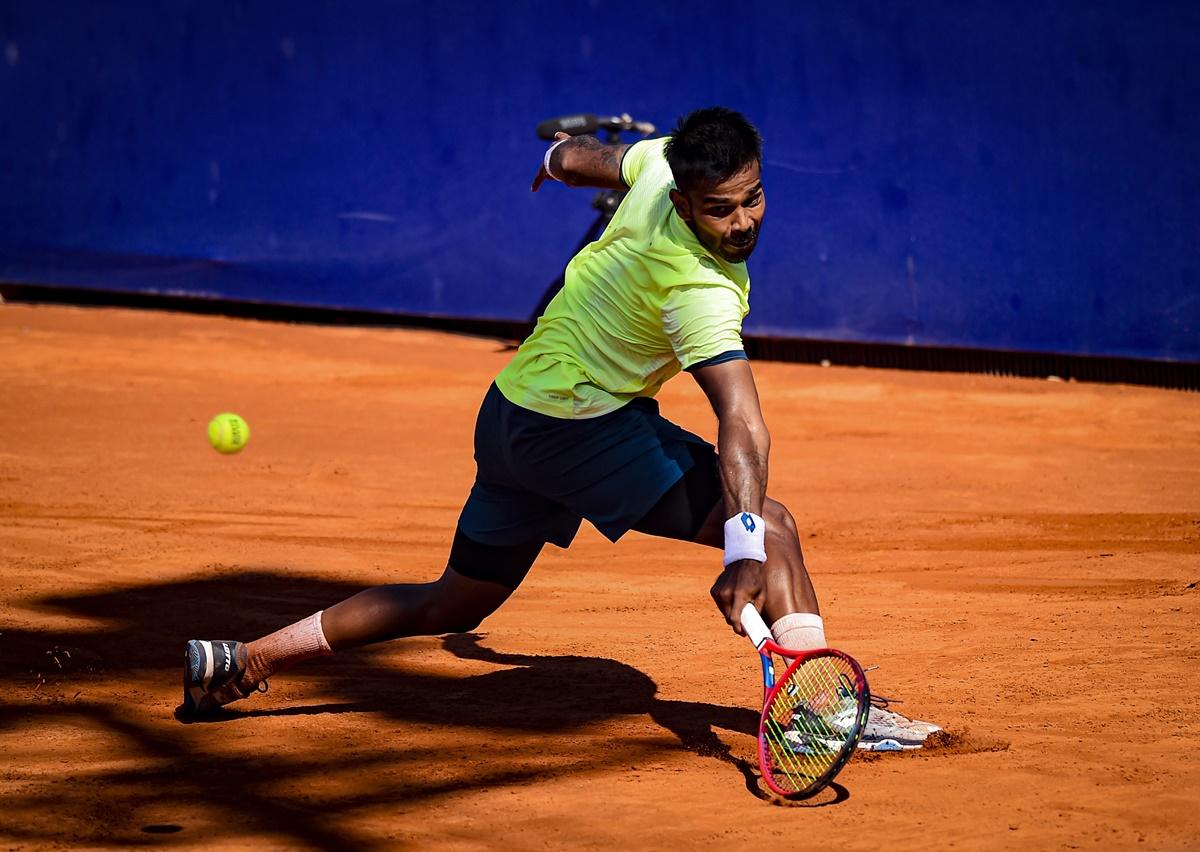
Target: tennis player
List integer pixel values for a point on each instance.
(570, 428)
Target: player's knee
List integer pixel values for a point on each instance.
(463, 627)
(452, 619)
(463, 623)
(461, 616)
(779, 519)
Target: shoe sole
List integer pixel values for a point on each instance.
(888, 745)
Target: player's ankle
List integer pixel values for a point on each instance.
(799, 631)
(284, 648)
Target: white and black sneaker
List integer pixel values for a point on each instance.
(213, 670)
(809, 733)
(887, 730)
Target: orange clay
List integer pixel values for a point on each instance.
(1018, 557)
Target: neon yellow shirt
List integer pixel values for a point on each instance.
(639, 304)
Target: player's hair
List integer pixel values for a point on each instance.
(711, 145)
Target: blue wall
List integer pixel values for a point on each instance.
(1019, 176)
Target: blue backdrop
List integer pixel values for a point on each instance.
(1019, 175)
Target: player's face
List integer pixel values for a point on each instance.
(726, 218)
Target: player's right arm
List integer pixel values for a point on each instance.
(582, 161)
(743, 445)
(704, 325)
(743, 442)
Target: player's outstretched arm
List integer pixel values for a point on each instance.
(744, 446)
(742, 438)
(582, 161)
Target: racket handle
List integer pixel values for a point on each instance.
(756, 629)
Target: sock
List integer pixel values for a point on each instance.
(284, 648)
(799, 631)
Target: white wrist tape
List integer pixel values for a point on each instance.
(546, 160)
(745, 537)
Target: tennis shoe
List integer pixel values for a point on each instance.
(843, 716)
(213, 671)
(887, 730)
(800, 742)
(811, 733)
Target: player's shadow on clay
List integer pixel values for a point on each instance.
(693, 723)
(546, 694)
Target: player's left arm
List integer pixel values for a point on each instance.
(582, 161)
(744, 445)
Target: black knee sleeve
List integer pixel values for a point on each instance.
(492, 563)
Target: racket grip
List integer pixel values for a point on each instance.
(756, 629)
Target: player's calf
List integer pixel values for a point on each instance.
(785, 576)
(780, 522)
(219, 672)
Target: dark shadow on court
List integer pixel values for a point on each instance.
(145, 627)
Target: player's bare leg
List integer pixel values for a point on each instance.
(790, 605)
(451, 604)
(788, 586)
(219, 672)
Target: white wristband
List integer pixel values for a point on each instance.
(745, 537)
(546, 160)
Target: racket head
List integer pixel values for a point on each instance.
(812, 720)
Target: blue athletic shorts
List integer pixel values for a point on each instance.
(539, 476)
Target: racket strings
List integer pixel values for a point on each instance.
(809, 722)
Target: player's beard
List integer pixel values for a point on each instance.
(740, 251)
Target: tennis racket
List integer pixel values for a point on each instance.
(813, 714)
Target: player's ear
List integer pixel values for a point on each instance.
(682, 206)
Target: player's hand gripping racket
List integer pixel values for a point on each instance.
(813, 715)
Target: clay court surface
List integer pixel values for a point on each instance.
(1019, 558)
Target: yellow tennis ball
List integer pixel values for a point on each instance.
(228, 433)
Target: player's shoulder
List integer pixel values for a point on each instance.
(646, 161)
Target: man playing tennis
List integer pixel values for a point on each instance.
(570, 429)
